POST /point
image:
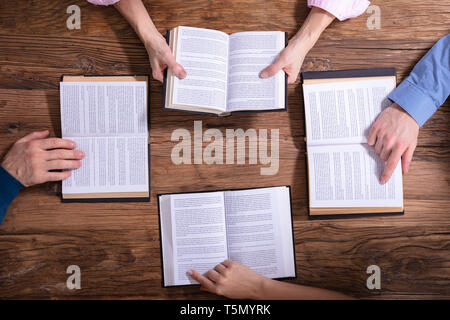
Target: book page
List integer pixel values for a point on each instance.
(112, 164)
(343, 112)
(259, 230)
(103, 108)
(250, 53)
(198, 233)
(348, 176)
(204, 55)
(108, 121)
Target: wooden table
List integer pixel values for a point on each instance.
(117, 244)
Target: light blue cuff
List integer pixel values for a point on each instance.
(413, 100)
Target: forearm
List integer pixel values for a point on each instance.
(428, 85)
(137, 16)
(9, 188)
(316, 22)
(278, 290)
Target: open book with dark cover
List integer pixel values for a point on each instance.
(223, 71)
(107, 116)
(202, 229)
(343, 170)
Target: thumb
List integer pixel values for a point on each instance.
(34, 135)
(271, 70)
(176, 68)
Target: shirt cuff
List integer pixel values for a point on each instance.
(9, 189)
(343, 9)
(413, 100)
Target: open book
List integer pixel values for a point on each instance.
(107, 118)
(223, 71)
(200, 230)
(343, 171)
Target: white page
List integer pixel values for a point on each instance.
(111, 164)
(249, 54)
(343, 112)
(108, 121)
(198, 233)
(258, 228)
(204, 55)
(166, 239)
(103, 108)
(348, 176)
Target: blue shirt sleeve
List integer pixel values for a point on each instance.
(9, 188)
(428, 85)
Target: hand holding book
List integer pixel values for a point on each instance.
(160, 55)
(291, 58)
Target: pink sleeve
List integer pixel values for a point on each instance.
(341, 9)
(103, 2)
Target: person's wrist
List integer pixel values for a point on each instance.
(8, 167)
(404, 113)
(262, 289)
(302, 44)
(152, 39)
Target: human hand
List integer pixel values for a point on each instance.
(394, 135)
(161, 57)
(32, 158)
(231, 279)
(290, 61)
(291, 58)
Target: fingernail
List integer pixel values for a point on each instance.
(190, 272)
(264, 74)
(80, 154)
(183, 74)
(73, 144)
(382, 180)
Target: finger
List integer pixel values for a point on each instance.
(227, 263)
(207, 284)
(157, 72)
(407, 158)
(34, 135)
(64, 154)
(57, 176)
(220, 268)
(213, 275)
(57, 143)
(391, 165)
(271, 70)
(385, 152)
(372, 138)
(176, 68)
(63, 164)
(292, 77)
(378, 145)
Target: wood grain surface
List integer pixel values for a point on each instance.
(117, 245)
